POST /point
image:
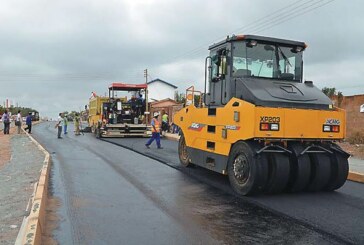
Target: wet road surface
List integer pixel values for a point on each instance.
(340, 213)
(111, 195)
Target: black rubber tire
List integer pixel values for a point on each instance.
(279, 170)
(339, 171)
(300, 169)
(320, 171)
(257, 171)
(182, 152)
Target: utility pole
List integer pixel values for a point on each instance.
(146, 96)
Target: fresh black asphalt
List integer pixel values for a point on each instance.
(112, 195)
(339, 213)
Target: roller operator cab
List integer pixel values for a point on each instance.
(261, 124)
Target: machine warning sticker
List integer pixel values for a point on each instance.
(332, 121)
(196, 126)
(232, 127)
(264, 119)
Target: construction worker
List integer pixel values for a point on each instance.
(18, 121)
(156, 128)
(59, 125)
(6, 120)
(28, 122)
(165, 125)
(77, 124)
(65, 124)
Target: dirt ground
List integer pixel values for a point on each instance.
(5, 147)
(20, 164)
(354, 150)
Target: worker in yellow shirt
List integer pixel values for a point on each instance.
(165, 124)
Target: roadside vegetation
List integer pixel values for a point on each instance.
(356, 138)
(354, 144)
(14, 110)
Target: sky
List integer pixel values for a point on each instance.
(55, 53)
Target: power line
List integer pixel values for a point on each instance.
(277, 18)
(253, 23)
(293, 15)
(245, 26)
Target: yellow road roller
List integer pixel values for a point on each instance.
(260, 123)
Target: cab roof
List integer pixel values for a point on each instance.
(259, 38)
(127, 87)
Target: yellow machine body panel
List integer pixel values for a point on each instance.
(95, 109)
(216, 129)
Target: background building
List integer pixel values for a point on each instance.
(165, 106)
(354, 118)
(160, 90)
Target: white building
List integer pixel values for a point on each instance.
(159, 90)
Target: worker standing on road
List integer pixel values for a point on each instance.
(59, 125)
(18, 121)
(156, 127)
(28, 122)
(65, 124)
(77, 124)
(6, 121)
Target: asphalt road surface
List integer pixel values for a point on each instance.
(113, 195)
(340, 213)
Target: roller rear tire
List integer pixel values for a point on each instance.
(182, 152)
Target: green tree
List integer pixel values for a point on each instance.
(179, 97)
(340, 98)
(330, 92)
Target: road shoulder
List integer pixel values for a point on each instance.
(34, 224)
(20, 172)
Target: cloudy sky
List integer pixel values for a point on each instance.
(55, 53)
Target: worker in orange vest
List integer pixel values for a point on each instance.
(156, 129)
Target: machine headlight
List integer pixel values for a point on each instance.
(274, 127)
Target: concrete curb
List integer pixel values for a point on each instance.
(172, 136)
(33, 225)
(353, 176)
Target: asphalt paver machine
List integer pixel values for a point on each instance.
(120, 116)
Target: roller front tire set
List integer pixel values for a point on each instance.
(278, 172)
(250, 173)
